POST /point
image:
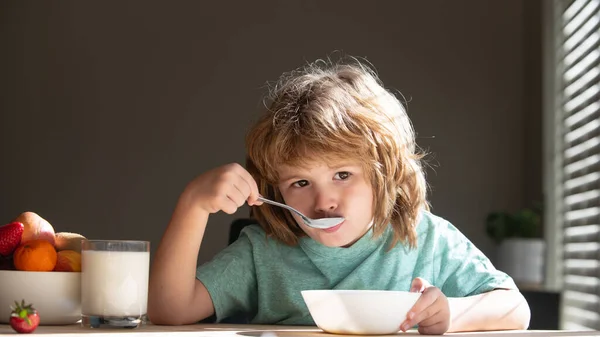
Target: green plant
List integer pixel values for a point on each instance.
(525, 223)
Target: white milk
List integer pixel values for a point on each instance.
(114, 283)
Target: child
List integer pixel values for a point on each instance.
(332, 143)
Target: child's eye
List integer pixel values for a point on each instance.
(300, 183)
(342, 175)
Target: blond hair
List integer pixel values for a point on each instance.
(339, 110)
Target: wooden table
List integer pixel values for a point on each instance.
(231, 330)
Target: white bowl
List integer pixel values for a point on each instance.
(362, 312)
(55, 295)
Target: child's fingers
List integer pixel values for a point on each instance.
(435, 329)
(429, 317)
(228, 205)
(423, 308)
(242, 187)
(425, 300)
(419, 285)
(423, 316)
(257, 203)
(438, 323)
(237, 196)
(253, 188)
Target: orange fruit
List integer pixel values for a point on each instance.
(36, 255)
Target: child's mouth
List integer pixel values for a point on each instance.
(334, 228)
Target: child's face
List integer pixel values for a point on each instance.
(322, 191)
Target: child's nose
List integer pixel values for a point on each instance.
(325, 201)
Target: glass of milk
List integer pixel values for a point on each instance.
(114, 283)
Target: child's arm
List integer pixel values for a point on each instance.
(461, 269)
(494, 310)
(175, 295)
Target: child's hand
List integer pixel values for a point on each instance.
(431, 311)
(224, 188)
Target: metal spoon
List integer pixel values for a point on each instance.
(322, 223)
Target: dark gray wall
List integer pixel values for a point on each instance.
(109, 108)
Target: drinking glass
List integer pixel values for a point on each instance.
(114, 283)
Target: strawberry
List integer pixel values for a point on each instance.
(10, 237)
(24, 318)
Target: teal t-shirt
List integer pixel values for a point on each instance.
(261, 278)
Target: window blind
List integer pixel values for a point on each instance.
(577, 190)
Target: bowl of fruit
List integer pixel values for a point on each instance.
(39, 268)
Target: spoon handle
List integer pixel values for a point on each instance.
(306, 220)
